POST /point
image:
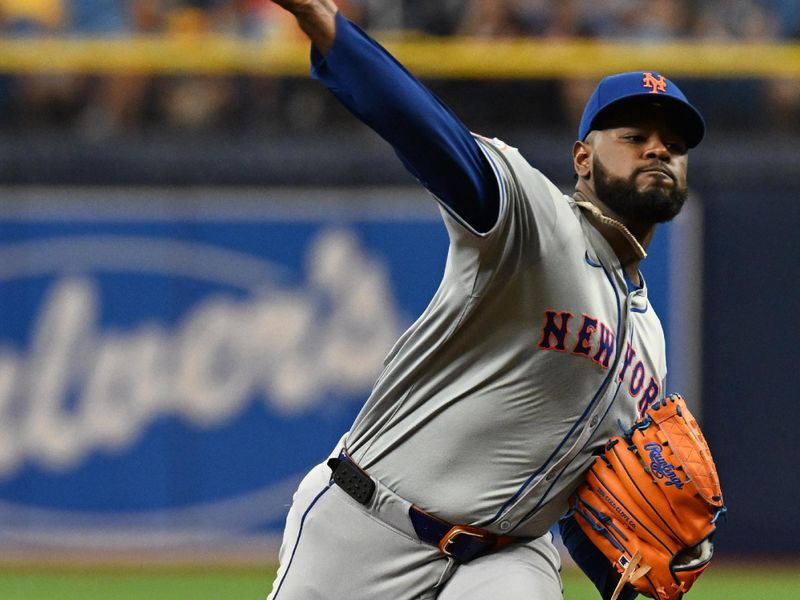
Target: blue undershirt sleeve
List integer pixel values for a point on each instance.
(430, 140)
(591, 561)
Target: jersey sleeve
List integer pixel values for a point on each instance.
(429, 139)
(529, 210)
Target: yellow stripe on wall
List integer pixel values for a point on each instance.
(426, 57)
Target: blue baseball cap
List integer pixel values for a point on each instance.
(649, 87)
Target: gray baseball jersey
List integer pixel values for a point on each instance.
(487, 410)
(533, 349)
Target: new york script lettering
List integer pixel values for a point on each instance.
(597, 341)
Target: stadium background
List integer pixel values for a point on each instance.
(203, 260)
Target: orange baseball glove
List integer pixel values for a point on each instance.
(651, 501)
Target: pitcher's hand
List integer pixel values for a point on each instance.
(317, 18)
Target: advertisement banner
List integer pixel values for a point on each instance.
(171, 363)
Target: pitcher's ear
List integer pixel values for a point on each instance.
(582, 159)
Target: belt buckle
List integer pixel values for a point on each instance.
(456, 531)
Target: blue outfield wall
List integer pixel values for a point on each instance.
(172, 362)
(751, 385)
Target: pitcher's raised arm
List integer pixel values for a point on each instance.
(430, 140)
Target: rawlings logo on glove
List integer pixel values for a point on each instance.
(651, 501)
(660, 467)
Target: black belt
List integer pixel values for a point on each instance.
(461, 542)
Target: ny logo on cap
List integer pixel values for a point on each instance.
(655, 85)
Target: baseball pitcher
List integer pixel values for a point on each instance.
(495, 414)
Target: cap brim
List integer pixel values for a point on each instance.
(684, 117)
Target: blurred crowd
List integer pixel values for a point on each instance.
(101, 107)
(654, 19)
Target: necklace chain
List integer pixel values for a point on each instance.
(598, 214)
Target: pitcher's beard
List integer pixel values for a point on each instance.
(654, 205)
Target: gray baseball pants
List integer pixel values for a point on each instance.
(337, 549)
